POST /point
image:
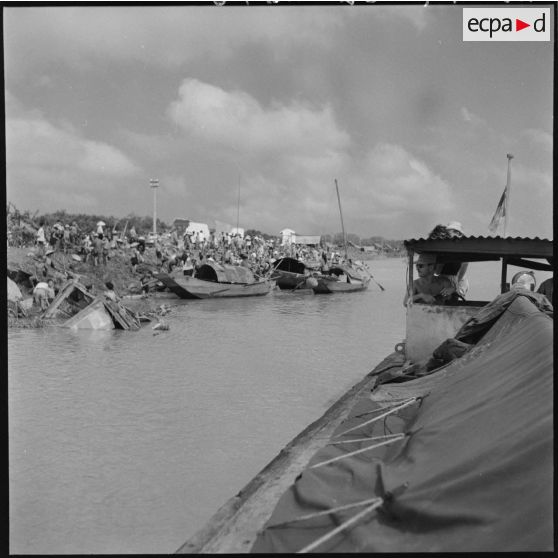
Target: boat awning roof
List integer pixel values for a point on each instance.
(225, 273)
(480, 248)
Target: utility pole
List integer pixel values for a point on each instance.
(154, 183)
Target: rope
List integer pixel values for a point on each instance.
(395, 438)
(339, 528)
(392, 410)
(327, 512)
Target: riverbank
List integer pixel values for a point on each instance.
(26, 267)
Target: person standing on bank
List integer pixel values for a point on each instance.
(429, 288)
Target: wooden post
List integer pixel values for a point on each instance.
(410, 255)
(504, 275)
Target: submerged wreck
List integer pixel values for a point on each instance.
(446, 446)
(75, 307)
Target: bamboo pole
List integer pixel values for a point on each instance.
(389, 412)
(340, 528)
(342, 225)
(328, 511)
(356, 452)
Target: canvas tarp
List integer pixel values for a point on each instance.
(225, 273)
(473, 473)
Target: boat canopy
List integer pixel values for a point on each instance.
(289, 264)
(517, 251)
(225, 273)
(475, 249)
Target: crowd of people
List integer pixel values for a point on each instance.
(169, 251)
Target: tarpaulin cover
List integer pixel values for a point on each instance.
(225, 273)
(474, 473)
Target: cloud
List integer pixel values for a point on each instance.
(37, 143)
(235, 119)
(52, 166)
(400, 181)
(539, 138)
(417, 16)
(156, 36)
(470, 118)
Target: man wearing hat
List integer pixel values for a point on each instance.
(429, 288)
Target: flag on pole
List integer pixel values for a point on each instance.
(499, 214)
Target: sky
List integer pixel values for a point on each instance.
(247, 115)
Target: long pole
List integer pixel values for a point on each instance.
(238, 203)
(154, 183)
(341, 214)
(508, 186)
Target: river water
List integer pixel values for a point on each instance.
(128, 442)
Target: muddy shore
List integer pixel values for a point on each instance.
(26, 267)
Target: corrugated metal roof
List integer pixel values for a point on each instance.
(484, 248)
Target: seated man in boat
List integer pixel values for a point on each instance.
(455, 271)
(429, 288)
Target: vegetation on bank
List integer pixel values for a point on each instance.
(22, 227)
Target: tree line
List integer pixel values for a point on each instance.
(143, 225)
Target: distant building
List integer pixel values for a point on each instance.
(287, 236)
(183, 226)
(307, 240)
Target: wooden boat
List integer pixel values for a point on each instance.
(214, 280)
(427, 452)
(343, 278)
(289, 273)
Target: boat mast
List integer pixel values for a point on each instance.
(341, 214)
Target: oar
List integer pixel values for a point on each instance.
(298, 285)
(372, 277)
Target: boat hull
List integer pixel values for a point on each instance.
(329, 285)
(286, 280)
(188, 287)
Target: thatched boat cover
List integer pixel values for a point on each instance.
(289, 264)
(225, 273)
(470, 468)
